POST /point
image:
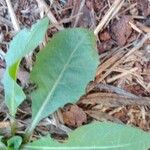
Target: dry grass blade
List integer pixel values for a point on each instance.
(113, 100)
(13, 16)
(103, 76)
(134, 27)
(125, 73)
(5, 21)
(109, 62)
(143, 27)
(119, 59)
(138, 45)
(50, 15)
(114, 13)
(109, 88)
(109, 14)
(78, 16)
(101, 116)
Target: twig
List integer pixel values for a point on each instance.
(109, 13)
(109, 88)
(143, 27)
(13, 16)
(78, 16)
(114, 13)
(113, 100)
(2, 54)
(131, 6)
(5, 21)
(102, 116)
(138, 45)
(109, 62)
(134, 27)
(125, 73)
(50, 15)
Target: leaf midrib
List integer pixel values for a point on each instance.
(76, 147)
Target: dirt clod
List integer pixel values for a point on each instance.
(74, 116)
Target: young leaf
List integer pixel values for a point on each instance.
(62, 71)
(23, 43)
(14, 143)
(98, 136)
(2, 145)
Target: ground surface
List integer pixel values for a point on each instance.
(124, 62)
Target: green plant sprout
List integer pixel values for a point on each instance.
(61, 72)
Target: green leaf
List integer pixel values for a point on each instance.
(2, 145)
(62, 71)
(98, 136)
(14, 143)
(23, 43)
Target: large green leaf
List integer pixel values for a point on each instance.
(23, 43)
(62, 71)
(98, 136)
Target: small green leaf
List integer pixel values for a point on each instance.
(23, 43)
(14, 143)
(2, 145)
(62, 71)
(97, 136)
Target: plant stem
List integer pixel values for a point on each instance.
(26, 137)
(13, 125)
